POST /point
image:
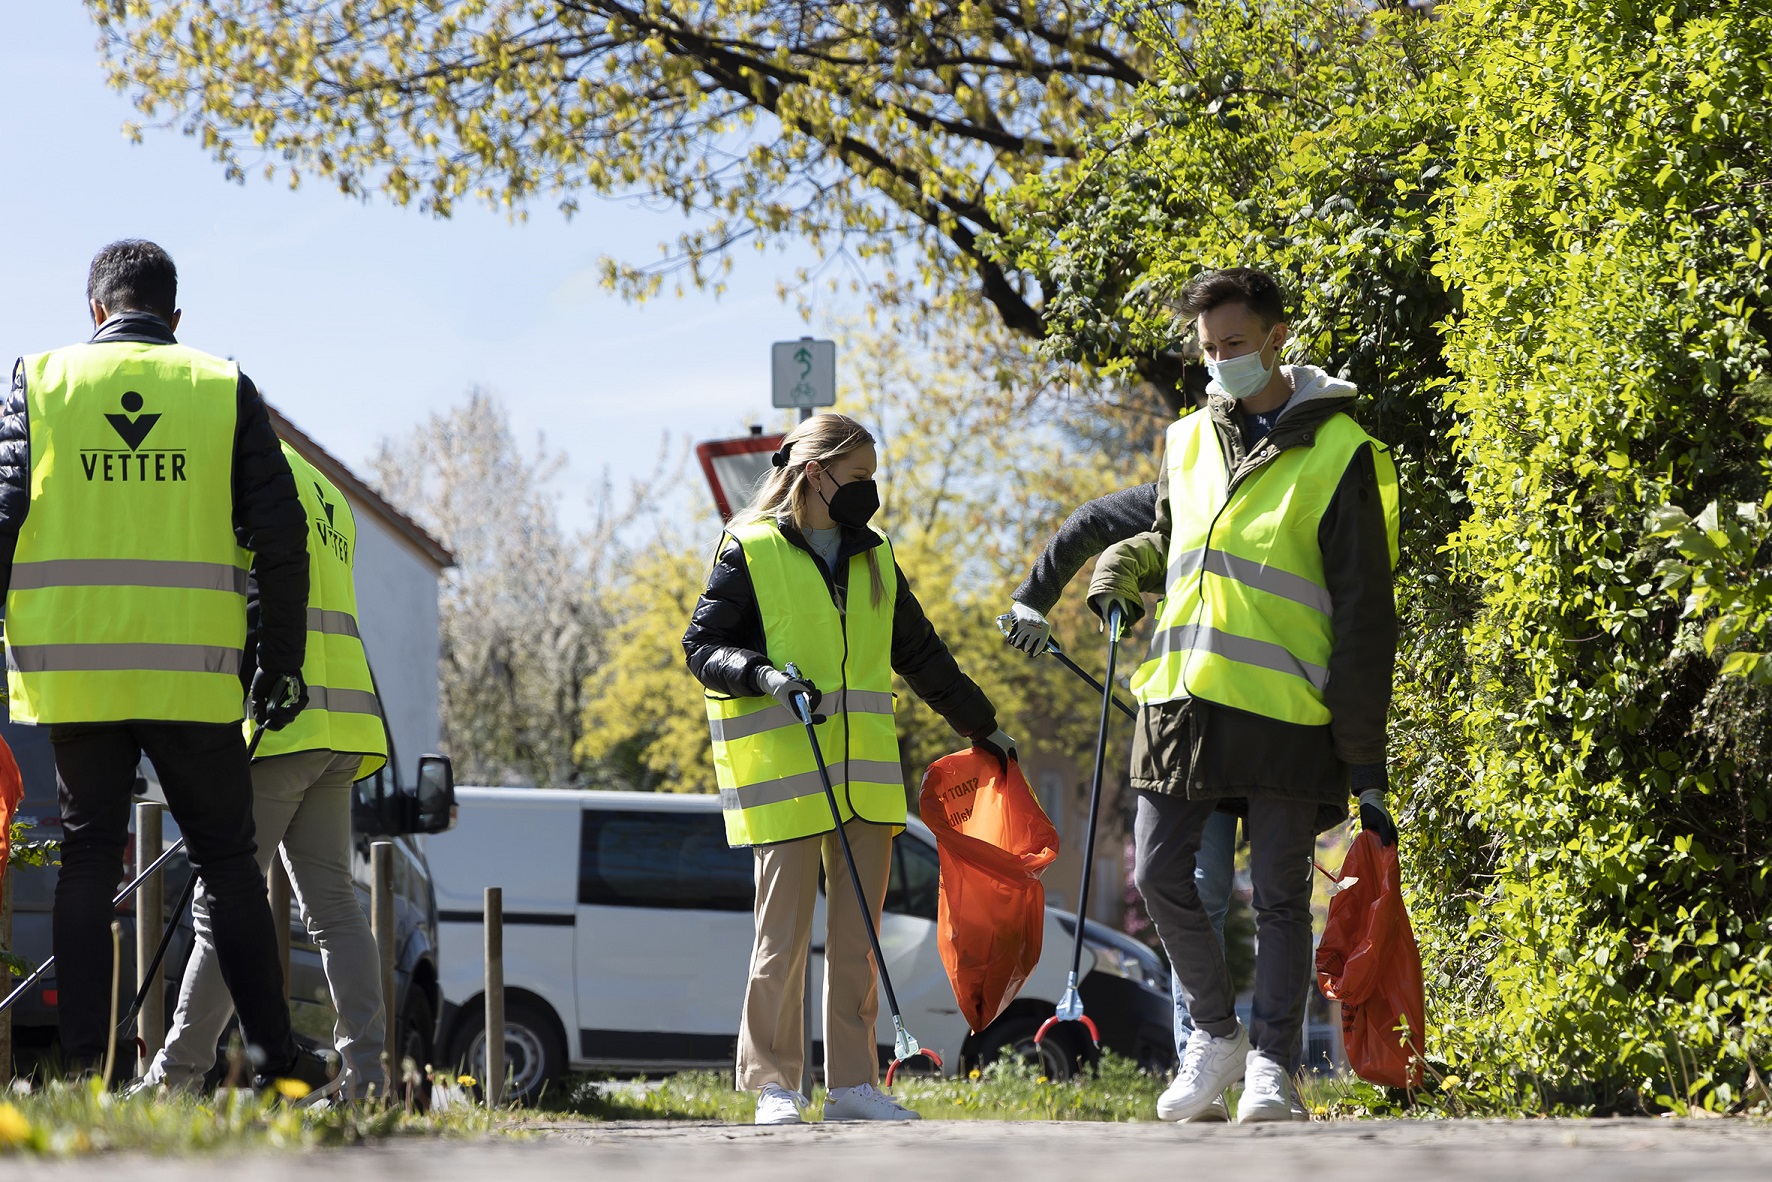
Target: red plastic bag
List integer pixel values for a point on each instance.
(12, 790)
(1368, 961)
(995, 842)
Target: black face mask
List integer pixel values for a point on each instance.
(853, 503)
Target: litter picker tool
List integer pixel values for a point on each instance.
(122, 897)
(1070, 1005)
(1005, 621)
(903, 1045)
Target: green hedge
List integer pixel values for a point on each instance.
(1533, 232)
(1610, 177)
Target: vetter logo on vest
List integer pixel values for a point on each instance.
(135, 465)
(330, 537)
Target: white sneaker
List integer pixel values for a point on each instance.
(1218, 1114)
(864, 1102)
(1267, 1091)
(1209, 1066)
(778, 1106)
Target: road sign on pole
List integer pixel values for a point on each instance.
(804, 373)
(735, 467)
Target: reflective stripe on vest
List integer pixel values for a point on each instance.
(343, 713)
(1246, 620)
(128, 591)
(769, 785)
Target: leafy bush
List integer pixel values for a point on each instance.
(1608, 201)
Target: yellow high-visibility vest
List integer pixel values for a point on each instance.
(343, 713)
(1246, 619)
(769, 785)
(128, 594)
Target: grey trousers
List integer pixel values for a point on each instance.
(302, 801)
(1282, 837)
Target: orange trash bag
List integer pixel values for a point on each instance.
(1368, 961)
(12, 791)
(995, 842)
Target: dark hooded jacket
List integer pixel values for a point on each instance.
(1208, 751)
(725, 643)
(267, 514)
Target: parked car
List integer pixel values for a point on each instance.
(380, 810)
(628, 936)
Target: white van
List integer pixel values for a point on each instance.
(628, 938)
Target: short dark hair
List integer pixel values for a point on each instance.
(134, 275)
(1256, 290)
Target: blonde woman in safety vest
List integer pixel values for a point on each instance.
(802, 578)
(1269, 675)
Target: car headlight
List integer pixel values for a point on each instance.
(1119, 962)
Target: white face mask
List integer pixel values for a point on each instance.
(1245, 376)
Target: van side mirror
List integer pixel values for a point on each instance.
(383, 809)
(435, 811)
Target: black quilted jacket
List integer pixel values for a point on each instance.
(725, 642)
(268, 518)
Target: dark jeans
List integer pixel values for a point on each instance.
(1282, 838)
(204, 772)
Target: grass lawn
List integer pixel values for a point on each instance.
(70, 1120)
(1006, 1090)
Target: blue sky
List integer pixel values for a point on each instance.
(358, 319)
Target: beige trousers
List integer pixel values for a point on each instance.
(771, 1046)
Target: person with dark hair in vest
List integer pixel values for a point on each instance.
(802, 579)
(1268, 681)
(141, 488)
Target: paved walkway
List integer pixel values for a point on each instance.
(986, 1151)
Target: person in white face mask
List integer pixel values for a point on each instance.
(1268, 680)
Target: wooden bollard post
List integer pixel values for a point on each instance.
(493, 918)
(150, 920)
(278, 881)
(381, 899)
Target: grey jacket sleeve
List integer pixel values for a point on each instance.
(1357, 569)
(1088, 531)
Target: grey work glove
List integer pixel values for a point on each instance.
(1376, 818)
(1000, 744)
(784, 689)
(1026, 629)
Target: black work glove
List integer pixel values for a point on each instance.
(999, 744)
(1373, 815)
(277, 698)
(784, 689)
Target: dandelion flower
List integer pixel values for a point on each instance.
(14, 1128)
(973, 1074)
(292, 1089)
(466, 1081)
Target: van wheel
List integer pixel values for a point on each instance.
(1057, 1056)
(534, 1056)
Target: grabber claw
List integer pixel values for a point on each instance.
(1069, 1009)
(904, 1048)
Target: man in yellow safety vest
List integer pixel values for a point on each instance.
(140, 487)
(1268, 680)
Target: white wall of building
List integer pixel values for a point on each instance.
(397, 615)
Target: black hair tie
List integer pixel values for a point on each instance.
(780, 458)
